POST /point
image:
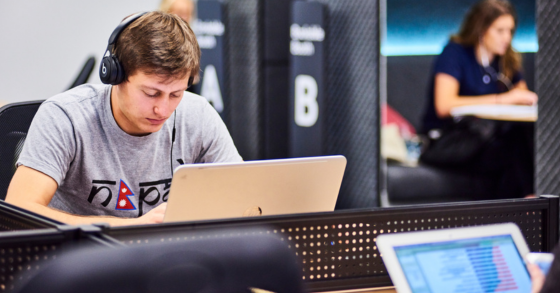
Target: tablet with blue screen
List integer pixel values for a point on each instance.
(474, 259)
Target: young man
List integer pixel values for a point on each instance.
(102, 153)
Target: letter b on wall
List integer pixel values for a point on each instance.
(306, 107)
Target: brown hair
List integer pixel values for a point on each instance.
(159, 43)
(477, 21)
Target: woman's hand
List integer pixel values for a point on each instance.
(517, 97)
(537, 278)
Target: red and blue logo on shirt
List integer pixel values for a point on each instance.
(123, 201)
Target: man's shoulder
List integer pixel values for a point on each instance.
(193, 98)
(193, 104)
(79, 95)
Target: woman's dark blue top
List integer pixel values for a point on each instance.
(460, 62)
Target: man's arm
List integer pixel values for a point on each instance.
(33, 191)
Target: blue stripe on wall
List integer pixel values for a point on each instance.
(424, 27)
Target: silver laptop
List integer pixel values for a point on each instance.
(474, 259)
(268, 187)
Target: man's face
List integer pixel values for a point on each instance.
(142, 104)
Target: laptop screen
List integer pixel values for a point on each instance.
(487, 264)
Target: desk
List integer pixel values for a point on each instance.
(509, 118)
(498, 112)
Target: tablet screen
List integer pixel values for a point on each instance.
(488, 264)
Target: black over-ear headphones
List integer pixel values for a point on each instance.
(111, 70)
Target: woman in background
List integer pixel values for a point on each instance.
(479, 66)
(182, 8)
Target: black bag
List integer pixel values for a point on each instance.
(460, 142)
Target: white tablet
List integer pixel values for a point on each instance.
(473, 259)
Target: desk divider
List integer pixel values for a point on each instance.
(24, 252)
(29, 240)
(337, 250)
(13, 218)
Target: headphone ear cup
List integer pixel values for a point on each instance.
(119, 71)
(111, 70)
(106, 70)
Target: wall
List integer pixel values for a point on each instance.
(424, 27)
(44, 44)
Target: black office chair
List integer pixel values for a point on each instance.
(229, 264)
(14, 123)
(84, 74)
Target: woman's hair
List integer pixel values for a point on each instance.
(165, 5)
(477, 21)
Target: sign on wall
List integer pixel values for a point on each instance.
(209, 29)
(306, 79)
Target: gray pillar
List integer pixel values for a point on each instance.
(244, 75)
(548, 88)
(352, 97)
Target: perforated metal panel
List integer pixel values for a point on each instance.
(29, 240)
(13, 218)
(22, 253)
(338, 250)
(352, 101)
(548, 88)
(8, 223)
(18, 261)
(245, 75)
(348, 249)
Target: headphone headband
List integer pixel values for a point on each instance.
(118, 30)
(110, 69)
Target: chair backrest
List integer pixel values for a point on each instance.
(217, 263)
(14, 123)
(84, 74)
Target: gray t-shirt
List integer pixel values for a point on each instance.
(102, 170)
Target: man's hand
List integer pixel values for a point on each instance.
(537, 278)
(154, 216)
